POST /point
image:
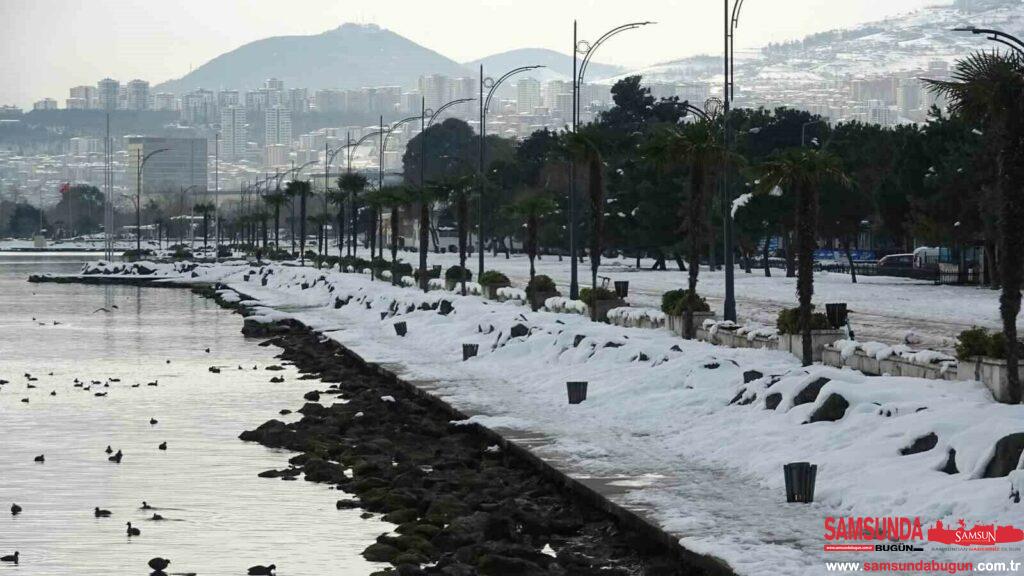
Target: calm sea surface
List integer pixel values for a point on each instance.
(220, 517)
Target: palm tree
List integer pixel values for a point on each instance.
(457, 190)
(337, 197)
(303, 190)
(803, 171)
(987, 88)
(698, 147)
(205, 209)
(276, 200)
(529, 207)
(353, 184)
(582, 147)
(393, 198)
(320, 221)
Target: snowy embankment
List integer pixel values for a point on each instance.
(669, 426)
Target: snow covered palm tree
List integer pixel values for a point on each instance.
(988, 88)
(802, 171)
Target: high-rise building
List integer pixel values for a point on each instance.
(76, 103)
(108, 91)
(908, 96)
(166, 102)
(226, 98)
(85, 94)
(278, 126)
(437, 89)
(181, 165)
(298, 100)
(138, 95)
(45, 104)
(466, 87)
(329, 100)
(232, 132)
(274, 84)
(276, 155)
(198, 107)
(553, 89)
(527, 95)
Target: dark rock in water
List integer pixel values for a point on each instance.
(214, 369)
(772, 401)
(274, 367)
(751, 375)
(518, 330)
(378, 552)
(810, 392)
(922, 444)
(832, 409)
(312, 396)
(285, 412)
(277, 379)
(950, 466)
(497, 565)
(347, 504)
(1007, 456)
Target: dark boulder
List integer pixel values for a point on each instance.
(922, 444)
(832, 409)
(518, 330)
(751, 375)
(772, 401)
(810, 392)
(1004, 461)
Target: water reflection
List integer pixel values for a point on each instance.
(221, 518)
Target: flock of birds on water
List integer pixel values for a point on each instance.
(158, 564)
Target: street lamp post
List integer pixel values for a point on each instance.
(1015, 44)
(732, 22)
(380, 178)
(485, 103)
(138, 193)
(424, 205)
(587, 50)
(350, 150)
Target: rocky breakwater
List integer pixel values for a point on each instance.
(461, 504)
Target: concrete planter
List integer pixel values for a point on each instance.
(537, 298)
(491, 290)
(603, 306)
(989, 371)
(793, 343)
(676, 324)
(832, 356)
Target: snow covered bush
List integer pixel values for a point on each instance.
(789, 321)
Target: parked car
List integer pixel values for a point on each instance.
(897, 261)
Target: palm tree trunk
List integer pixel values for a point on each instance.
(806, 213)
(424, 238)
(277, 226)
(849, 260)
(1011, 216)
(302, 229)
(394, 244)
(341, 230)
(767, 245)
(463, 217)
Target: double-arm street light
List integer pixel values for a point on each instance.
(138, 193)
(426, 123)
(350, 148)
(732, 22)
(380, 173)
(1015, 44)
(586, 50)
(492, 85)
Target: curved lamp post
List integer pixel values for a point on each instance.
(1015, 44)
(380, 171)
(424, 205)
(492, 85)
(138, 193)
(732, 22)
(587, 50)
(350, 148)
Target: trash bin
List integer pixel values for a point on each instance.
(800, 477)
(622, 288)
(577, 391)
(837, 314)
(469, 351)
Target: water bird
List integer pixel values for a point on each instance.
(133, 531)
(262, 570)
(159, 563)
(101, 310)
(207, 350)
(15, 509)
(146, 506)
(109, 450)
(10, 557)
(32, 379)
(30, 386)
(157, 517)
(116, 457)
(25, 400)
(153, 383)
(152, 421)
(162, 446)
(53, 392)
(40, 458)
(100, 394)
(101, 513)
(135, 385)
(114, 379)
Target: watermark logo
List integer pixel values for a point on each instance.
(977, 535)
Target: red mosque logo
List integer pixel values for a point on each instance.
(978, 535)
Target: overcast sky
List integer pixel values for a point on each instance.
(50, 45)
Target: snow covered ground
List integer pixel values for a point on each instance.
(669, 427)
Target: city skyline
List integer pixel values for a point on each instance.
(683, 31)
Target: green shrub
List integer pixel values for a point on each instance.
(401, 269)
(973, 342)
(225, 252)
(182, 253)
(458, 273)
(433, 272)
(997, 346)
(789, 321)
(494, 278)
(589, 296)
(541, 284)
(685, 300)
(670, 299)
